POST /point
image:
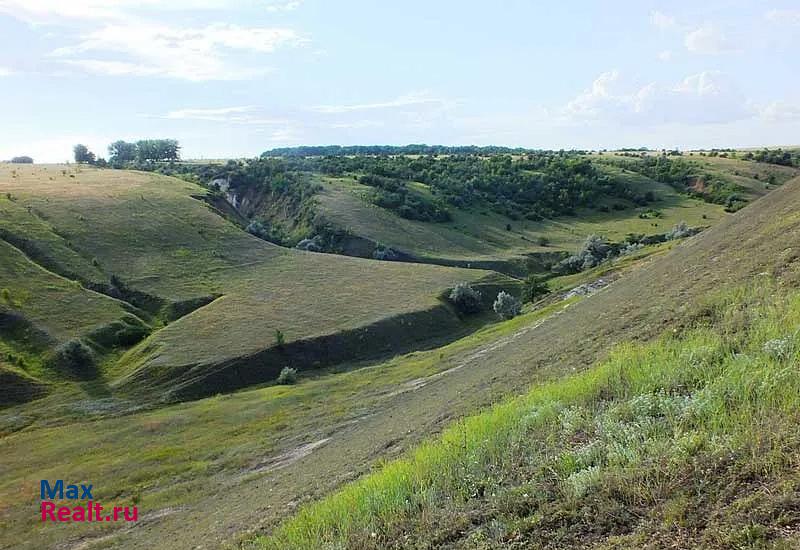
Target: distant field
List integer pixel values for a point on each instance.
(156, 239)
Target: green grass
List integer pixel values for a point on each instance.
(689, 440)
(154, 234)
(164, 458)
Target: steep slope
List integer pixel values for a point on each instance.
(762, 240)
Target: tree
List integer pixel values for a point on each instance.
(83, 155)
(506, 306)
(75, 358)
(534, 288)
(121, 152)
(22, 160)
(466, 298)
(155, 150)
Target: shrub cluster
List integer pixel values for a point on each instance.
(75, 358)
(465, 298)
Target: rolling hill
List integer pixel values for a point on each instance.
(113, 257)
(482, 235)
(687, 440)
(206, 298)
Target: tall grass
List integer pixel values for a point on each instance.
(643, 438)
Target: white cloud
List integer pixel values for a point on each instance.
(780, 111)
(280, 5)
(358, 124)
(703, 98)
(662, 20)
(246, 114)
(415, 99)
(665, 55)
(599, 100)
(57, 11)
(5, 72)
(791, 17)
(709, 40)
(159, 50)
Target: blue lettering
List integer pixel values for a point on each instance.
(51, 492)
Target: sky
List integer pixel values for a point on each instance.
(234, 78)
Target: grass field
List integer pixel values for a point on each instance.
(168, 248)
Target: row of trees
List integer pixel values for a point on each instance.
(123, 153)
(775, 156)
(383, 150)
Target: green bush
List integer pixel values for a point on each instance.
(534, 288)
(506, 305)
(287, 376)
(465, 298)
(75, 358)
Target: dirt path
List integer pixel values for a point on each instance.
(762, 238)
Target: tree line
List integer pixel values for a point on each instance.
(383, 150)
(123, 154)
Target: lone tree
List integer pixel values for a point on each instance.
(83, 155)
(534, 288)
(506, 306)
(22, 160)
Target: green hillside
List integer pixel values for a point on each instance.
(212, 296)
(687, 439)
(263, 467)
(491, 212)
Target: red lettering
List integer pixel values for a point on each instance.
(117, 510)
(47, 510)
(78, 514)
(63, 513)
(134, 516)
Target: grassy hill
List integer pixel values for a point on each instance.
(482, 235)
(686, 440)
(234, 465)
(83, 248)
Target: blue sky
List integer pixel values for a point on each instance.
(230, 79)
